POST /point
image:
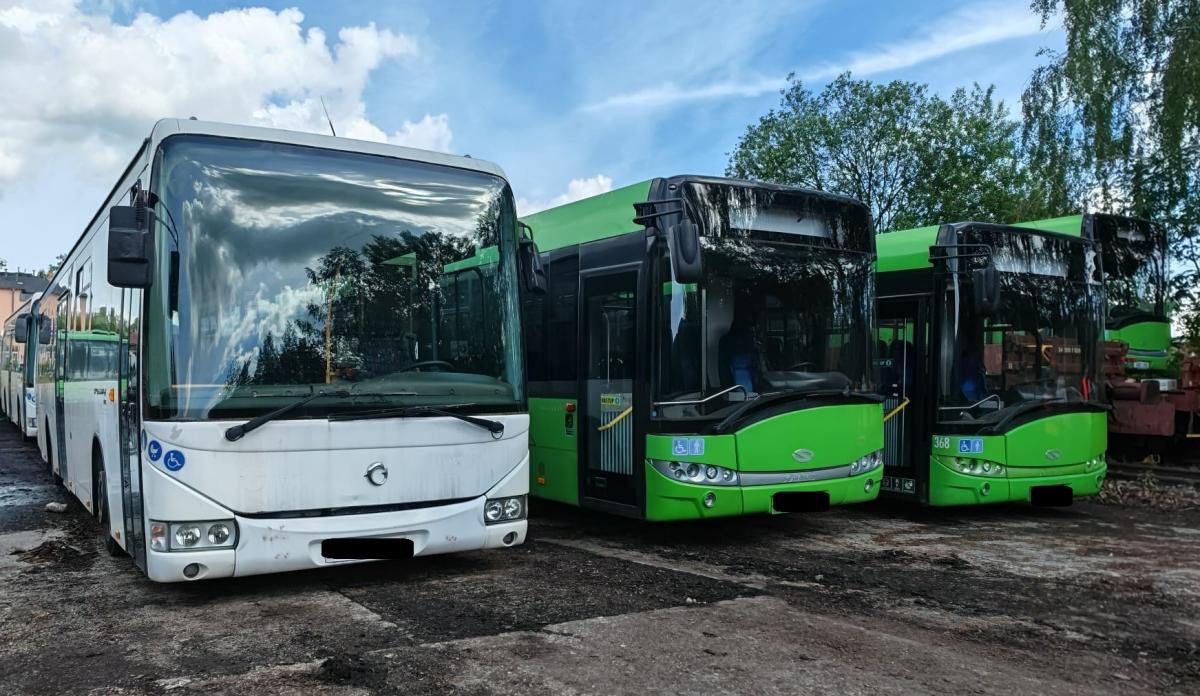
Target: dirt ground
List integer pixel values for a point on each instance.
(865, 600)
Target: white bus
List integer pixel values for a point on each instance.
(247, 366)
(18, 398)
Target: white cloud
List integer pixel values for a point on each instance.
(577, 189)
(971, 27)
(89, 88)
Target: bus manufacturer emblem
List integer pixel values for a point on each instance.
(376, 474)
(1053, 455)
(803, 456)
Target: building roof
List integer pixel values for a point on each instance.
(25, 282)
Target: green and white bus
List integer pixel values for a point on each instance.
(703, 349)
(18, 354)
(992, 343)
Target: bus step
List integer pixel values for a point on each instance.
(800, 501)
(366, 549)
(1050, 496)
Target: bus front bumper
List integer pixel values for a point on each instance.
(668, 500)
(277, 545)
(948, 487)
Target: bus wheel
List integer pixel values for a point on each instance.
(100, 496)
(50, 455)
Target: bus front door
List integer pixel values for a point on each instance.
(129, 426)
(608, 461)
(902, 380)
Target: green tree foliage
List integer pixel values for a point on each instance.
(911, 156)
(1119, 110)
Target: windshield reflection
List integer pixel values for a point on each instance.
(298, 268)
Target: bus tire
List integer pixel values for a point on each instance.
(53, 457)
(100, 501)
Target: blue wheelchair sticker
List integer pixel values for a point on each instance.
(687, 446)
(679, 446)
(154, 450)
(174, 460)
(970, 445)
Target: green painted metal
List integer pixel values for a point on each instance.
(553, 450)
(598, 217)
(718, 449)
(1050, 451)
(1068, 224)
(834, 435)
(905, 250)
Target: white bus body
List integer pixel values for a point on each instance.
(290, 267)
(18, 398)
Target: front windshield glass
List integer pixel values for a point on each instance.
(1134, 256)
(1043, 344)
(778, 310)
(298, 270)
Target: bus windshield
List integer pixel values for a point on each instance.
(783, 307)
(1043, 345)
(285, 271)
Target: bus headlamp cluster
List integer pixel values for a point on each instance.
(193, 536)
(694, 472)
(500, 510)
(1096, 462)
(977, 467)
(865, 463)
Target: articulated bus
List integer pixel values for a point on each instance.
(250, 361)
(18, 399)
(704, 349)
(992, 342)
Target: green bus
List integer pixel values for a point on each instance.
(991, 342)
(704, 348)
(1134, 259)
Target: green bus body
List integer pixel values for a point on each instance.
(941, 452)
(1134, 254)
(784, 458)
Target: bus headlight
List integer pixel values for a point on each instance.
(504, 510)
(865, 463)
(977, 467)
(193, 536)
(691, 472)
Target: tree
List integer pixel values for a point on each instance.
(912, 157)
(1120, 108)
(3, 265)
(53, 268)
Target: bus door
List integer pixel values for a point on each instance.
(609, 448)
(903, 383)
(62, 326)
(129, 425)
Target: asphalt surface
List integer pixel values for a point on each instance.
(862, 600)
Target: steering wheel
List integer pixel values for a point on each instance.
(441, 364)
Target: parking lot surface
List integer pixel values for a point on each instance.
(866, 600)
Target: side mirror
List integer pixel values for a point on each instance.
(45, 330)
(986, 282)
(130, 246)
(533, 275)
(21, 329)
(683, 241)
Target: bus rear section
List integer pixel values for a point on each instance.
(994, 348)
(734, 381)
(277, 351)
(18, 354)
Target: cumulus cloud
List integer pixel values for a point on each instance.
(83, 83)
(576, 190)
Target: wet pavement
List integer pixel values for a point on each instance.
(871, 599)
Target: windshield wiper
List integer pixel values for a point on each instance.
(496, 428)
(768, 399)
(236, 432)
(1022, 409)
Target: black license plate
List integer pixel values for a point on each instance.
(800, 501)
(366, 549)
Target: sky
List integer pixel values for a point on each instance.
(569, 98)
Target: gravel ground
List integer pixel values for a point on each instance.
(871, 599)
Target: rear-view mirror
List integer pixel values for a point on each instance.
(986, 282)
(532, 274)
(45, 330)
(21, 329)
(683, 241)
(130, 246)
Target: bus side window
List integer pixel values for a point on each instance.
(77, 360)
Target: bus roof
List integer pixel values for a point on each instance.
(597, 217)
(905, 250)
(1067, 224)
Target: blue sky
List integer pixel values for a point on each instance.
(602, 94)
